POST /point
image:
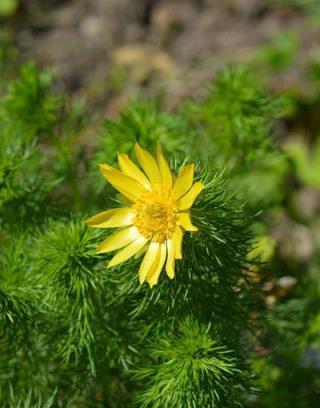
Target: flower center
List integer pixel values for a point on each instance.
(155, 215)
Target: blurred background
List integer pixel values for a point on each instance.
(112, 50)
(107, 53)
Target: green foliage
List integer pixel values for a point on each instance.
(66, 268)
(189, 369)
(91, 324)
(18, 309)
(8, 7)
(235, 125)
(22, 179)
(306, 163)
(267, 182)
(287, 367)
(315, 70)
(280, 54)
(27, 403)
(28, 101)
(144, 123)
(237, 113)
(74, 333)
(38, 146)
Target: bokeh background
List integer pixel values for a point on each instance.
(112, 50)
(107, 53)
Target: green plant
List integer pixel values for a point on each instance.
(74, 333)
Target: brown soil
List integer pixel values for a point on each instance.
(167, 47)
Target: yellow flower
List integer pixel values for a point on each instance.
(156, 216)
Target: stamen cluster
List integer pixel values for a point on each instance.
(155, 215)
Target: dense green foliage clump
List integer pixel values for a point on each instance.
(76, 334)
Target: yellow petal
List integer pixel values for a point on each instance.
(148, 164)
(153, 278)
(117, 217)
(170, 264)
(127, 186)
(149, 262)
(100, 218)
(184, 181)
(187, 200)
(118, 240)
(128, 252)
(177, 243)
(185, 221)
(130, 169)
(164, 167)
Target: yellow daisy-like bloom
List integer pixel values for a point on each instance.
(157, 214)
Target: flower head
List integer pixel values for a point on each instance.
(156, 216)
